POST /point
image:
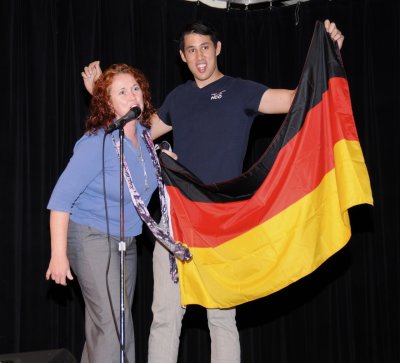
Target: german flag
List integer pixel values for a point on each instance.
(285, 216)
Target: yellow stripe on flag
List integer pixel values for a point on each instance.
(284, 248)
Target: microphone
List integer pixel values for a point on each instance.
(132, 114)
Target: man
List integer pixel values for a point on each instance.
(211, 117)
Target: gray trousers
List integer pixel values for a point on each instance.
(168, 314)
(87, 250)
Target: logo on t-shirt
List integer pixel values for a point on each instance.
(216, 95)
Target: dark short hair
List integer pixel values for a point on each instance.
(197, 27)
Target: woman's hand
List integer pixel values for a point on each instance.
(59, 270)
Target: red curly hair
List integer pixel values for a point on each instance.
(101, 113)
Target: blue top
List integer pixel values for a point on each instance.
(211, 125)
(79, 190)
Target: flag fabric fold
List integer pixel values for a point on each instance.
(280, 220)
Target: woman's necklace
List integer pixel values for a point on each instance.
(138, 150)
(140, 155)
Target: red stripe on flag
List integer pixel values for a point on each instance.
(299, 168)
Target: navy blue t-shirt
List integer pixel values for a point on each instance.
(211, 125)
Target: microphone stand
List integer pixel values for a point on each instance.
(122, 248)
(132, 114)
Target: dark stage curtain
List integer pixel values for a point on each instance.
(347, 311)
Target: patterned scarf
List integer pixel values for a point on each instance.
(161, 231)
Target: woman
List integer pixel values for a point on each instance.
(85, 217)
